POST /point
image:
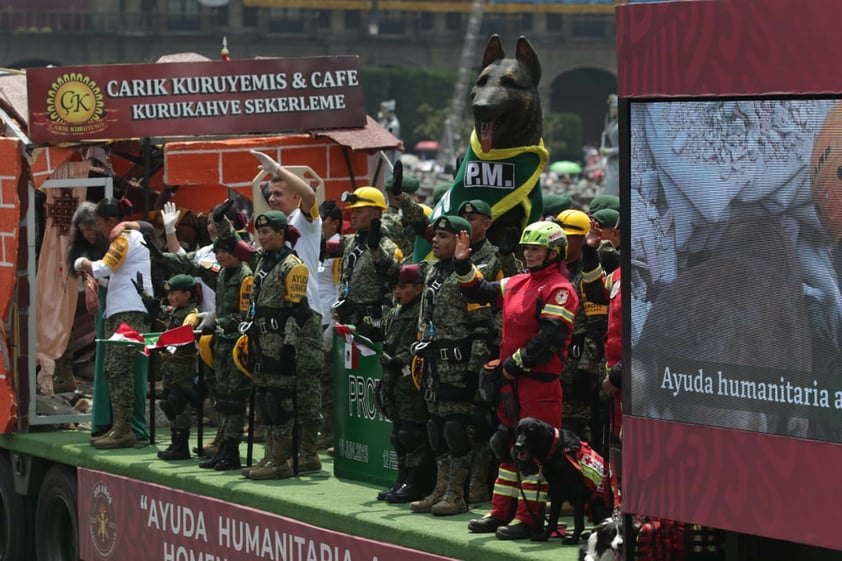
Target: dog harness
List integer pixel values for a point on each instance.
(595, 472)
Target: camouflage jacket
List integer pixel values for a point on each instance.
(233, 289)
(278, 297)
(585, 353)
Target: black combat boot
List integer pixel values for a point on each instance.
(231, 456)
(381, 496)
(410, 491)
(178, 450)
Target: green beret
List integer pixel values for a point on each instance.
(605, 201)
(474, 207)
(607, 218)
(453, 224)
(553, 204)
(409, 184)
(228, 244)
(439, 191)
(275, 219)
(181, 282)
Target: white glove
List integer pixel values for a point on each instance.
(169, 215)
(78, 264)
(208, 320)
(266, 163)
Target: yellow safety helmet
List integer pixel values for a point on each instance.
(241, 354)
(206, 349)
(365, 196)
(427, 210)
(574, 222)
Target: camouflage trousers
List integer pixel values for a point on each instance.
(178, 373)
(232, 386)
(302, 357)
(327, 381)
(119, 358)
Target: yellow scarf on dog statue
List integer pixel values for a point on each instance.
(508, 179)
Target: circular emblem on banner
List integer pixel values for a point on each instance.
(102, 522)
(74, 99)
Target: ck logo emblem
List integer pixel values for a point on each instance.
(495, 175)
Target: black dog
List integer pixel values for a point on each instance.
(507, 109)
(605, 542)
(538, 445)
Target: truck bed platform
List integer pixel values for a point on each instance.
(320, 499)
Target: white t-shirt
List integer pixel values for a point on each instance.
(307, 248)
(125, 258)
(205, 258)
(329, 282)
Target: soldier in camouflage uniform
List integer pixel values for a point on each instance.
(177, 367)
(363, 290)
(233, 288)
(454, 347)
(402, 402)
(127, 257)
(605, 209)
(286, 353)
(580, 378)
(394, 225)
(486, 257)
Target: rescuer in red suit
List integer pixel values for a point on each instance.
(538, 311)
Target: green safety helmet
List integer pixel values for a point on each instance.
(546, 234)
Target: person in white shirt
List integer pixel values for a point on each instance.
(294, 197)
(127, 267)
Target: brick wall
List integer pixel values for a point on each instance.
(10, 219)
(203, 169)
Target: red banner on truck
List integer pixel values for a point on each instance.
(194, 98)
(131, 520)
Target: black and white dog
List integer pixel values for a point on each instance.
(605, 542)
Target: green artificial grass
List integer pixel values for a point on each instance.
(319, 499)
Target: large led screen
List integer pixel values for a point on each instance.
(736, 303)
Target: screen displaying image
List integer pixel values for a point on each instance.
(736, 303)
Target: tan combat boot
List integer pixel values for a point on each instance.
(210, 449)
(120, 435)
(267, 455)
(278, 466)
(308, 456)
(478, 481)
(453, 499)
(442, 474)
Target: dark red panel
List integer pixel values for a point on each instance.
(748, 482)
(714, 47)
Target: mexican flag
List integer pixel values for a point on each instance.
(127, 335)
(355, 345)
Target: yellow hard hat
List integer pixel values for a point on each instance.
(365, 196)
(427, 210)
(206, 349)
(574, 222)
(241, 354)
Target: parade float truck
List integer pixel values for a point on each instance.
(186, 124)
(732, 191)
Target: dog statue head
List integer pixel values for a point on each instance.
(504, 99)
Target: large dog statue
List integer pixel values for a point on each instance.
(506, 156)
